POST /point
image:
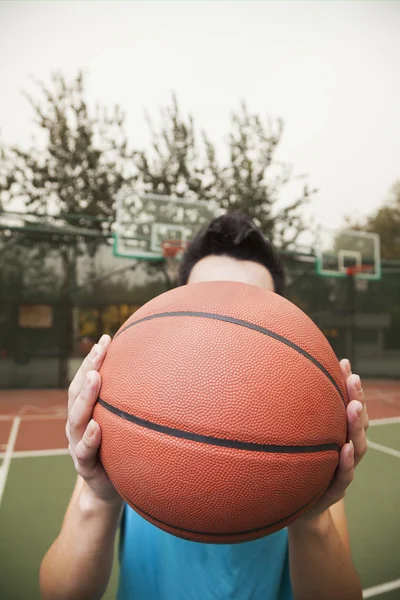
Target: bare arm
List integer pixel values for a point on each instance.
(78, 564)
(321, 566)
(320, 561)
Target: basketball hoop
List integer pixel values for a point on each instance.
(173, 251)
(348, 253)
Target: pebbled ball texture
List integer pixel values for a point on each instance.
(222, 410)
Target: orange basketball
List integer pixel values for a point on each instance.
(222, 410)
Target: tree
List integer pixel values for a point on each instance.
(76, 175)
(84, 162)
(172, 166)
(27, 272)
(386, 222)
(70, 180)
(251, 181)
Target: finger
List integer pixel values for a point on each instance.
(93, 361)
(344, 474)
(81, 411)
(354, 388)
(356, 392)
(346, 368)
(86, 451)
(356, 429)
(104, 340)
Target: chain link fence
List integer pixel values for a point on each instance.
(58, 294)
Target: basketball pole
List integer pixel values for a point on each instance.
(352, 328)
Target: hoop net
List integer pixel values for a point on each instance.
(361, 285)
(173, 251)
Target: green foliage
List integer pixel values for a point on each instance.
(386, 222)
(251, 180)
(172, 166)
(84, 161)
(80, 163)
(27, 270)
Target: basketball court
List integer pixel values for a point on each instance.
(37, 476)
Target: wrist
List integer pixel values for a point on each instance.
(318, 524)
(91, 504)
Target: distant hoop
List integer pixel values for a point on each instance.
(173, 251)
(173, 248)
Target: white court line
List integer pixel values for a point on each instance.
(5, 467)
(37, 453)
(41, 410)
(387, 421)
(34, 417)
(381, 589)
(384, 449)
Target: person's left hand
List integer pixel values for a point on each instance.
(352, 452)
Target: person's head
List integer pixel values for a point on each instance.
(232, 248)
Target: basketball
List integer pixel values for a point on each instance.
(222, 411)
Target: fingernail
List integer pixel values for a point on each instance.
(103, 339)
(91, 428)
(357, 384)
(348, 366)
(358, 407)
(350, 451)
(94, 351)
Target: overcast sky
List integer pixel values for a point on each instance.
(331, 70)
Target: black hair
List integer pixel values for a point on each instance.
(236, 235)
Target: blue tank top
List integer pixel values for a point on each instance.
(158, 566)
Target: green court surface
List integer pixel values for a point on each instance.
(388, 435)
(38, 488)
(30, 518)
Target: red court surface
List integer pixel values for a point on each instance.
(43, 413)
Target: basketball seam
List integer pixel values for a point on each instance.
(248, 325)
(227, 534)
(216, 441)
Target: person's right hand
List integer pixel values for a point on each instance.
(83, 433)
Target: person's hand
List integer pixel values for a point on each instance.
(83, 433)
(352, 452)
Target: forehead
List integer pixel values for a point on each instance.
(226, 268)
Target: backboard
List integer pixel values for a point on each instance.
(341, 250)
(144, 222)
